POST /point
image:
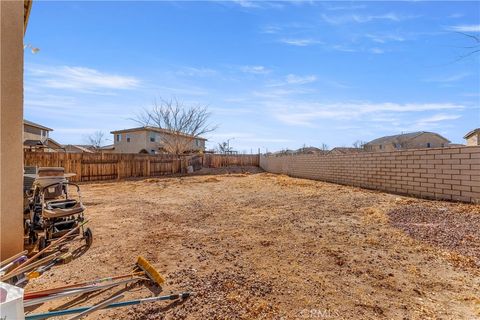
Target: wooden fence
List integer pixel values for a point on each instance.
(94, 167)
(110, 166)
(222, 160)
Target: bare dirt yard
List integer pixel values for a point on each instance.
(264, 246)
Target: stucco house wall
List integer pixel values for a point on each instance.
(138, 141)
(34, 133)
(11, 127)
(474, 139)
(141, 140)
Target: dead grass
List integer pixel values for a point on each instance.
(263, 246)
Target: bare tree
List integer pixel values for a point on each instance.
(96, 139)
(181, 125)
(324, 147)
(359, 144)
(224, 148)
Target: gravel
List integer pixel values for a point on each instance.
(442, 226)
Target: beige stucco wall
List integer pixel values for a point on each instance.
(141, 140)
(415, 143)
(474, 140)
(11, 128)
(138, 141)
(34, 133)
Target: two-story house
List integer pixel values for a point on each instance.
(152, 140)
(36, 136)
(413, 140)
(473, 137)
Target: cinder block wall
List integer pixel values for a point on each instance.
(443, 173)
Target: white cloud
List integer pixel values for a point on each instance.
(277, 93)
(294, 79)
(255, 69)
(383, 38)
(439, 117)
(447, 79)
(185, 90)
(342, 48)
(79, 79)
(196, 72)
(305, 113)
(289, 80)
(300, 42)
(246, 3)
(465, 28)
(236, 137)
(347, 7)
(456, 15)
(377, 50)
(76, 130)
(361, 18)
(271, 29)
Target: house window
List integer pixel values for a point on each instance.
(197, 143)
(119, 137)
(381, 147)
(152, 151)
(152, 136)
(127, 137)
(428, 145)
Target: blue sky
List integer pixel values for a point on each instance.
(274, 74)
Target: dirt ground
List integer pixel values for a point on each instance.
(264, 246)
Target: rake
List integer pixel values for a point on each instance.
(142, 264)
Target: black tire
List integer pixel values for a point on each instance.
(88, 235)
(42, 244)
(26, 227)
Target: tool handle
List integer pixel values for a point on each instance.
(17, 271)
(14, 257)
(40, 293)
(8, 266)
(98, 306)
(52, 244)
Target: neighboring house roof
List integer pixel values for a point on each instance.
(287, 151)
(155, 129)
(455, 145)
(51, 142)
(346, 150)
(471, 133)
(398, 138)
(107, 147)
(310, 150)
(33, 124)
(87, 146)
(78, 147)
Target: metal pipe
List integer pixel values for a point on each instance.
(96, 307)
